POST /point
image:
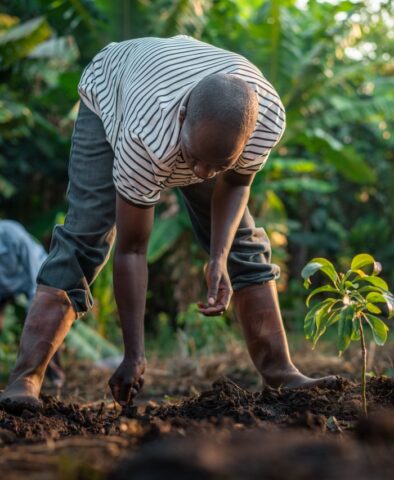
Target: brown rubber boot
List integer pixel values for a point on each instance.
(50, 317)
(257, 309)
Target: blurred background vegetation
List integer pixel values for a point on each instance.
(326, 191)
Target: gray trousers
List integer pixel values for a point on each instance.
(80, 248)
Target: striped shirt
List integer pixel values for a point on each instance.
(137, 88)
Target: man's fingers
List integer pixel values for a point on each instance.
(124, 393)
(213, 285)
(114, 390)
(211, 311)
(224, 296)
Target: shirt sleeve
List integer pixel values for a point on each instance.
(258, 148)
(87, 83)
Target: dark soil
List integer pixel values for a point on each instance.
(258, 454)
(224, 402)
(217, 420)
(226, 399)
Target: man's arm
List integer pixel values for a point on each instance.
(229, 200)
(134, 225)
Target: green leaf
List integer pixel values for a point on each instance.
(7, 189)
(55, 48)
(390, 304)
(334, 318)
(373, 308)
(165, 233)
(310, 323)
(378, 327)
(353, 285)
(309, 270)
(375, 298)
(302, 184)
(345, 328)
(361, 260)
(321, 314)
(322, 321)
(344, 158)
(18, 41)
(378, 282)
(327, 268)
(324, 288)
(80, 347)
(369, 288)
(297, 165)
(102, 347)
(356, 334)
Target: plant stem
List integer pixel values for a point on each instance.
(364, 357)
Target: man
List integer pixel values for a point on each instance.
(162, 113)
(21, 257)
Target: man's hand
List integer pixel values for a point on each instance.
(127, 381)
(219, 289)
(229, 200)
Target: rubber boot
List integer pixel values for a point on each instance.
(54, 373)
(257, 309)
(50, 317)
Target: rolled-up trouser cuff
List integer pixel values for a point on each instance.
(253, 276)
(249, 261)
(82, 301)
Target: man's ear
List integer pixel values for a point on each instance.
(182, 114)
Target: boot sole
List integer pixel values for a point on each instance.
(17, 405)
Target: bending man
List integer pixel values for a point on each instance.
(155, 114)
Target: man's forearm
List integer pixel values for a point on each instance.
(130, 285)
(228, 205)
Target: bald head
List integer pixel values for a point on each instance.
(221, 115)
(226, 100)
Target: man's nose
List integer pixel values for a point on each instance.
(203, 171)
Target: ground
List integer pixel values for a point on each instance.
(207, 418)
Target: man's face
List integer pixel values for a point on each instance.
(206, 152)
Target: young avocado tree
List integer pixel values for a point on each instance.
(353, 301)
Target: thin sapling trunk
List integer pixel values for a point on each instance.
(364, 374)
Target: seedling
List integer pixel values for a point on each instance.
(355, 299)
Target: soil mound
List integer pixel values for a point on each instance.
(226, 399)
(56, 420)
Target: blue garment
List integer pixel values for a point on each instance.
(21, 257)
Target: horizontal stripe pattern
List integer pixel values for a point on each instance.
(138, 87)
